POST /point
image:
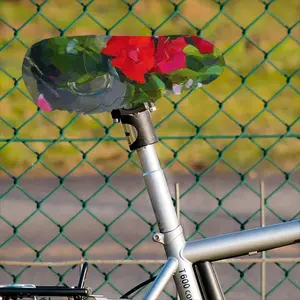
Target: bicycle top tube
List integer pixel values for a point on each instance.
(96, 73)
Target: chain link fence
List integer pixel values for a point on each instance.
(65, 189)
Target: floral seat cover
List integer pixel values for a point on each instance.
(93, 74)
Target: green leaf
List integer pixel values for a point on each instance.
(94, 63)
(137, 98)
(210, 61)
(74, 58)
(153, 88)
(207, 78)
(130, 89)
(165, 79)
(217, 52)
(191, 50)
(95, 43)
(85, 78)
(216, 70)
(184, 72)
(221, 61)
(194, 63)
(178, 76)
(193, 55)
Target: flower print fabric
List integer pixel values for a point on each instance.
(92, 74)
(169, 55)
(134, 56)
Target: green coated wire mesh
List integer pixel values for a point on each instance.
(246, 124)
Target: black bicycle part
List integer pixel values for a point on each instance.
(125, 296)
(140, 119)
(82, 278)
(17, 292)
(83, 275)
(208, 281)
(78, 292)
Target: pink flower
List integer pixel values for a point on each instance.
(169, 55)
(43, 104)
(204, 47)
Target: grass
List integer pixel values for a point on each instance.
(266, 73)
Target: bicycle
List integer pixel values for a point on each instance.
(125, 76)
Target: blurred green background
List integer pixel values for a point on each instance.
(246, 121)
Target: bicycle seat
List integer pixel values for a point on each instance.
(94, 73)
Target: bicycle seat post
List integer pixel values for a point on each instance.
(141, 136)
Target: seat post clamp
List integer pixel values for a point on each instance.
(137, 124)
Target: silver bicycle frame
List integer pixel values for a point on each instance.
(181, 254)
(189, 263)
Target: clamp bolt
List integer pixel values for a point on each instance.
(158, 237)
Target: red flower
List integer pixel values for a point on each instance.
(134, 55)
(204, 47)
(169, 55)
